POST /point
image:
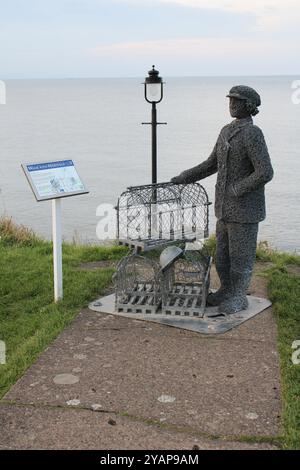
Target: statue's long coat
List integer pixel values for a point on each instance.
(242, 161)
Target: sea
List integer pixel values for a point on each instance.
(97, 123)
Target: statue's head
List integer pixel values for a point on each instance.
(243, 101)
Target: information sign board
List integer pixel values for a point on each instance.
(51, 180)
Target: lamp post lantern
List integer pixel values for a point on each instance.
(153, 87)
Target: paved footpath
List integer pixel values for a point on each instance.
(109, 382)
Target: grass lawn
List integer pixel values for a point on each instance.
(30, 321)
(284, 290)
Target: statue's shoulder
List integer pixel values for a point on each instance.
(225, 127)
(253, 132)
(224, 130)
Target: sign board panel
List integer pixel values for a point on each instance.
(51, 180)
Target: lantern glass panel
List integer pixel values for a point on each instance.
(153, 92)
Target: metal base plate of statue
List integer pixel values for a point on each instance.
(211, 322)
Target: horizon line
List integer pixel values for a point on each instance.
(140, 77)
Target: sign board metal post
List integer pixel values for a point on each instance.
(57, 249)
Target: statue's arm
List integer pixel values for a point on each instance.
(199, 172)
(262, 168)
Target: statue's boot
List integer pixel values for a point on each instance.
(223, 293)
(237, 300)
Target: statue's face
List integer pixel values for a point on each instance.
(238, 108)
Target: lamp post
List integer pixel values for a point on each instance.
(153, 86)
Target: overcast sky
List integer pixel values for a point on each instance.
(123, 38)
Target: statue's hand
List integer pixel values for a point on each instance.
(177, 179)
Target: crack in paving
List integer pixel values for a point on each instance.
(272, 440)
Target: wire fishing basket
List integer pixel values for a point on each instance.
(186, 284)
(138, 285)
(155, 215)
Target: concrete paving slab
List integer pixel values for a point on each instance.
(38, 428)
(218, 385)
